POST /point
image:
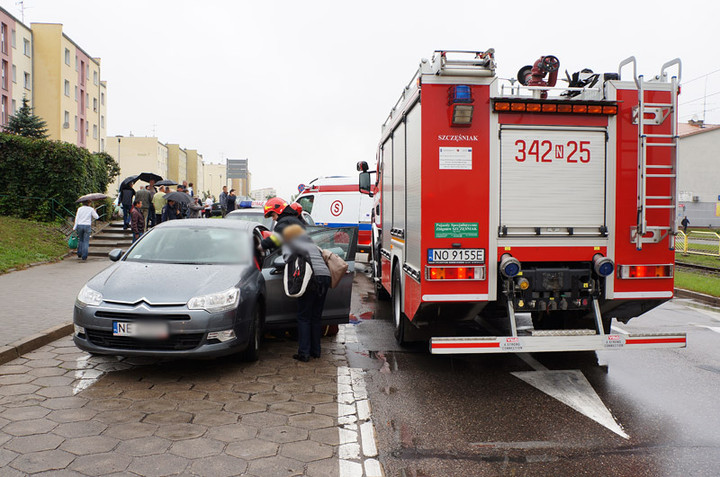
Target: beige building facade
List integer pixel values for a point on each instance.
(68, 91)
(177, 163)
(136, 155)
(214, 177)
(195, 173)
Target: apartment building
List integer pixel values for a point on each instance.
(177, 163)
(16, 65)
(195, 174)
(68, 91)
(214, 177)
(136, 155)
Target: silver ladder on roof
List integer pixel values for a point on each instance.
(646, 115)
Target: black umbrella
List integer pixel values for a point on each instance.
(178, 197)
(129, 180)
(149, 176)
(91, 197)
(166, 182)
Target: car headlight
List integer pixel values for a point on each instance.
(88, 296)
(222, 301)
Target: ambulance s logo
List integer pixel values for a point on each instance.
(336, 208)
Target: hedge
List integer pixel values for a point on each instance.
(48, 169)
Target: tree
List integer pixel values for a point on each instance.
(26, 123)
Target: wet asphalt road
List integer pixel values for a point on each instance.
(468, 415)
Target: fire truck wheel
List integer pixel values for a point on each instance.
(399, 318)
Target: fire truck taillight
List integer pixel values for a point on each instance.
(455, 273)
(462, 114)
(564, 107)
(645, 271)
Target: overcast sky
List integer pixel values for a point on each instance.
(301, 87)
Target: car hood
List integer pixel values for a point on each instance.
(154, 283)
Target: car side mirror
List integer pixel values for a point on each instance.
(116, 254)
(278, 265)
(365, 181)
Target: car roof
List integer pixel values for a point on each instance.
(252, 210)
(209, 223)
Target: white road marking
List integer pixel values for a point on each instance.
(716, 329)
(358, 447)
(84, 374)
(572, 388)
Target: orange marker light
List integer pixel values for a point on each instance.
(594, 109)
(609, 109)
(549, 108)
(502, 106)
(564, 108)
(580, 108)
(517, 107)
(534, 107)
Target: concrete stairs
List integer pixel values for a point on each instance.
(111, 237)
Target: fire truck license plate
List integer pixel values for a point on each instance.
(456, 255)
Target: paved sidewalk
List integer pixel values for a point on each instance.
(41, 297)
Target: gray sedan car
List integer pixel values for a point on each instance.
(198, 287)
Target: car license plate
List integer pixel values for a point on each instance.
(140, 330)
(456, 255)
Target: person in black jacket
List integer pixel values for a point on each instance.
(283, 215)
(126, 201)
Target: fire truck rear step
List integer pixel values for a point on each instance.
(537, 344)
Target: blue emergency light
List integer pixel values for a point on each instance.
(459, 93)
(246, 204)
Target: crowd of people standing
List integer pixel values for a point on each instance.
(147, 206)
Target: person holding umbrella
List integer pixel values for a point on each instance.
(83, 222)
(127, 193)
(171, 211)
(158, 202)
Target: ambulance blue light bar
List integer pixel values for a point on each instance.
(246, 204)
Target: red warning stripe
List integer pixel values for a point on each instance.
(654, 340)
(466, 345)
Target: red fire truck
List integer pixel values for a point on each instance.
(499, 197)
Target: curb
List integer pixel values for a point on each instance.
(31, 343)
(701, 297)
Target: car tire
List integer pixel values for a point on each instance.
(331, 330)
(399, 318)
(252, 351)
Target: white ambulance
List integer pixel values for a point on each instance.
(335, 201)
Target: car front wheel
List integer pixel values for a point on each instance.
(252, 351)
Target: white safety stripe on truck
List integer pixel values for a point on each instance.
(660, 294)
(464, 297)
(533, 344)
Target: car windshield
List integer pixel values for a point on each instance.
(254, 216)
(193, 245)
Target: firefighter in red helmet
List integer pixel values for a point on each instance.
(283, 215)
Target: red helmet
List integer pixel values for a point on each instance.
(296, 207)
(276, 204)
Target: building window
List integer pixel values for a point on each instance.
(27, 81)
(102, 122)
(66, 123)
(102, 145)
(67, 88)
(3, 37)
(76, 123)
(76, 93)
(12, 38)
(95, 104)
(82, 131)
(4, 78)
(95, 78)
(94, 131)
(14, 106)
(102, 99)
(14, 73)
(87, 100)
(82, 73)
(3, 106)
(26, 47)
(67, 57)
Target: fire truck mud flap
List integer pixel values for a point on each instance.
(568, 341)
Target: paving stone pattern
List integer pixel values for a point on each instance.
(41, 297)
(64, 412)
